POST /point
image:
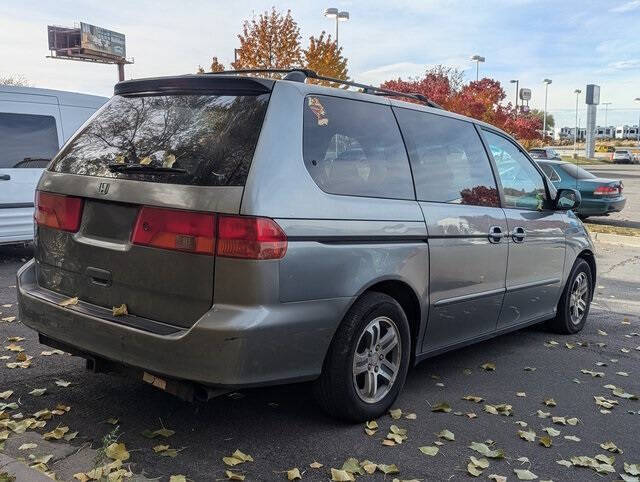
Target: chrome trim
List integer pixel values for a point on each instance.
(533, 284)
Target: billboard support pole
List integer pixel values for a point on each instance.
(120, 71)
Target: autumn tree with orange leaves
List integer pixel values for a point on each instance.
(272, 41)
(483, 100)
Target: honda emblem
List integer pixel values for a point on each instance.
(103, 188)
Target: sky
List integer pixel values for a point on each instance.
(572, 42)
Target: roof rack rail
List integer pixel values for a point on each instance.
(300, 75)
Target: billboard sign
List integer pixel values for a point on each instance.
(102, 41)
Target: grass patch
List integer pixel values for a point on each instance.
(585, 161)
(607, 229)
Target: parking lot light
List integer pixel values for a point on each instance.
(338, 15)
(544, 119)
(575, 132)
(517, 82)
(477, 59)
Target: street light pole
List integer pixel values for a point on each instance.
(517, 82)
(544, 119)
(606, 124)
(637, 99)
(477, 59)
(339, 16)
(575, 132)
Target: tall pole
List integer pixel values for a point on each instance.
(544, 119)
(477, 70)
(517, 82)
(337, 44)
(120, 71)
(575, 132)
(606, 124)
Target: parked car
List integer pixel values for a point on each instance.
(622, 156)
(213, 232)
(34, 123)
(544, 153)
(600, 196)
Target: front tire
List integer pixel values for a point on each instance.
(367, 362)
(574, 304)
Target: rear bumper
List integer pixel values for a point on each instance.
(595, 207)
(230, 346)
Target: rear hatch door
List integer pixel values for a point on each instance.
(149, 170)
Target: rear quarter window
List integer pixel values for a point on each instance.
(355, 148)
(203, 140)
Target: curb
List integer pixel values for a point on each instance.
(619, 239)
(21, 471)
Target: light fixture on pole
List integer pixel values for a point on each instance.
(477, 59)
(575, 132)
(606, 126)
(544, 119)
(517, 82)
(339, 16)
(637, 99)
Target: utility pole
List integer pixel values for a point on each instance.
(517, 82)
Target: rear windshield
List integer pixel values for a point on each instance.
(202, 140)
(577, 172)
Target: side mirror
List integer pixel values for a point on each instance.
(568, 199)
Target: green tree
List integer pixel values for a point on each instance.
(540, 115)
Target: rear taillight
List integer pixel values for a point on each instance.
(606, 191)
(208, 233)
(58, 211)
(175, 229)
(250, 238)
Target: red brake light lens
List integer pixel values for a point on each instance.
(606, 191)
(58, 212)
(250, 238)
(174, 229)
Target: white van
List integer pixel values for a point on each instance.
(34, 123)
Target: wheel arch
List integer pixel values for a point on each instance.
(406, 296)
(590, 258)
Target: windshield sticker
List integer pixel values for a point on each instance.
(318, 109)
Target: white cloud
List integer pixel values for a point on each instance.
(626, 7)
(625, 64)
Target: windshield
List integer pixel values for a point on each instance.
(204, 140)
(577, 172)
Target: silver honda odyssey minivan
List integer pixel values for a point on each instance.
(218, 231)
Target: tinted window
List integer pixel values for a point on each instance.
(522, 184)
(208, 139)
(549, 171)
(577, 172)
(448, 160)
(355, 148)
(26, 136)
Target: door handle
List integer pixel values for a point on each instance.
(495, 234)
(5, 177)
(518, 234)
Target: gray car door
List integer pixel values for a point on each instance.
(536, 236)
(459, 198)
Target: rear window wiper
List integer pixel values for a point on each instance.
(145, 168)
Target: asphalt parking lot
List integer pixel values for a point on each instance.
(282, 428)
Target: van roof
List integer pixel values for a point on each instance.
(64, 97)
(236, 80)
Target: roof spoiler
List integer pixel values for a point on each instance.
(195, 84)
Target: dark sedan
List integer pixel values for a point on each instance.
(600, 196)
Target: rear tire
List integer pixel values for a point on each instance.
(367, 362)
(574, 304)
